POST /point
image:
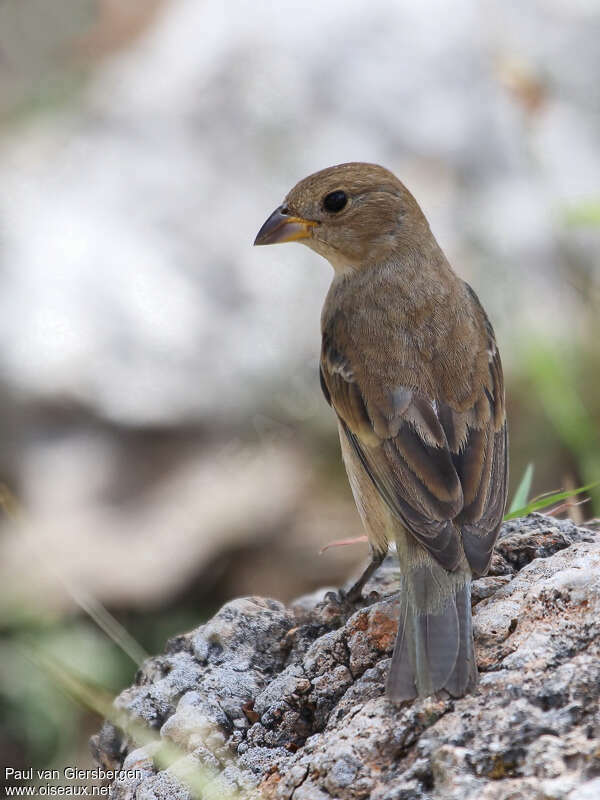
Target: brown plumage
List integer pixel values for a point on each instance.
(410, 365)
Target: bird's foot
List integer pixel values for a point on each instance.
(354, 593)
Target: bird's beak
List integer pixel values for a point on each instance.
(281, 227)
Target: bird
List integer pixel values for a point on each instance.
(410, 366)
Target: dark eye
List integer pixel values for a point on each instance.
(335, 201)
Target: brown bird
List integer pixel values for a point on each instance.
(409, 364)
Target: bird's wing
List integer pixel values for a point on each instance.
(438, 470)
(478, 440)
(402, 446)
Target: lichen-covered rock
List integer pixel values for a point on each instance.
(289, 702)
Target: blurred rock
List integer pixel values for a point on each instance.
(290, 699)
(139, 522)
(128, 278)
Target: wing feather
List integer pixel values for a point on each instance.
(441, 471)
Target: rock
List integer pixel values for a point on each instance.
(285, 702)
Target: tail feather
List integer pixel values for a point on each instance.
(401, 677)
(434, 648)
(464, 676)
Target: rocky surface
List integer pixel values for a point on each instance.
(289, 701)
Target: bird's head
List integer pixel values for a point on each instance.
(355, 215)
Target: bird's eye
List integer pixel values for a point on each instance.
(335, 201)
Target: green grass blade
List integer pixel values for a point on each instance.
(107, 623)
(522, 493)
(549, 500)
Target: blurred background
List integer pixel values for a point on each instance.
(164, 442)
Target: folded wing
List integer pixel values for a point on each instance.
(442, 472)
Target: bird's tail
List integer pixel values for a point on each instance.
(434, 648)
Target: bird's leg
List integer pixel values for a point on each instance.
(343, 543)
(355, 591)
